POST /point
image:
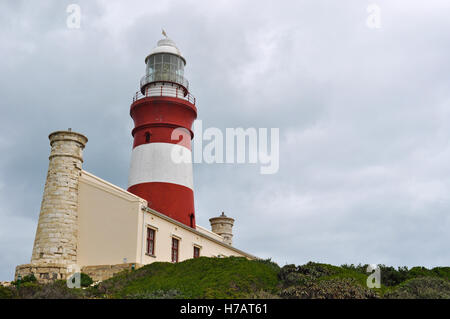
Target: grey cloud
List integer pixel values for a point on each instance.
(363, 117)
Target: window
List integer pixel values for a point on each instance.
(147, 137)
(175, 246)
(150, 241)
(165, 67)
(191, 217)
(196, 252)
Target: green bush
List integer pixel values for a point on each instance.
(27, 278)
(392, 277)
(316, 270)
(86, 280)
(157, 294)
(6, 293)
(55, 290)
(336, 288)
(269, 263)
(288, 274)
(421, 288)
(291, 273)
(362, 269)
(442, 272)
(231, 277)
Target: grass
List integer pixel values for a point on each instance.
(236, 277)
(232, 277)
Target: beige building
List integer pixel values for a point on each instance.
(87, 224)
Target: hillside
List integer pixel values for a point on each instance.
(241, 278)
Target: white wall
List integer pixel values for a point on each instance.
(108, 223)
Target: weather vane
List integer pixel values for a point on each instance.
(164, 33)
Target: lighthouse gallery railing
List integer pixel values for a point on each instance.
(164, 91)
(165, 77)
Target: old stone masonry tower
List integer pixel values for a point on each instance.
(55, 245)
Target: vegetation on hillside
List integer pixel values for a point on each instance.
(236, 277)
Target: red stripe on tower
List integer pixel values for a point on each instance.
(163, 112)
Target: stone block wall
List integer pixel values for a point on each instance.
(55, 244)
(103, 272)
(56, 235)
(44, 273)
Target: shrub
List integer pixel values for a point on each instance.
(157, 294)
(442, 272)
(362, 269)
(5, 293)
(316, 270)
(391, 276)
(269, 263)
(300, 275)
(86, 280)
(421, 288)
(25, 279)
(231, 277)
(287, 274)
(329, 289)
(55, 290)
(262, 294)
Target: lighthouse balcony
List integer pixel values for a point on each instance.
(169, 77)
(154, 90)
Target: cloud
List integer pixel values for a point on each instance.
(363, 117)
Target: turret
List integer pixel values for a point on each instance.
(223, 226)
(55, 245)
(57, 231)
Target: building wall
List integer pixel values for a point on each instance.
(113, 226)
(211, 245)
(108, 221)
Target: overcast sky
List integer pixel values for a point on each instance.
(363, 113)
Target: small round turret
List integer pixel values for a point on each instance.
(223, 226)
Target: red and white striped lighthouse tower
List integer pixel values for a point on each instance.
(163, 112)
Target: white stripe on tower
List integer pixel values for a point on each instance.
(161, 162)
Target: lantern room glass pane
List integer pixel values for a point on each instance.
(165, 67)
(167, 58)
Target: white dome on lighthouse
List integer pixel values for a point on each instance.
(166, 46)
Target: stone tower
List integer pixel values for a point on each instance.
(55, 244)
(56, 235)
(223, 226)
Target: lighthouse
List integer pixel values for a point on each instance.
(163, 112)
